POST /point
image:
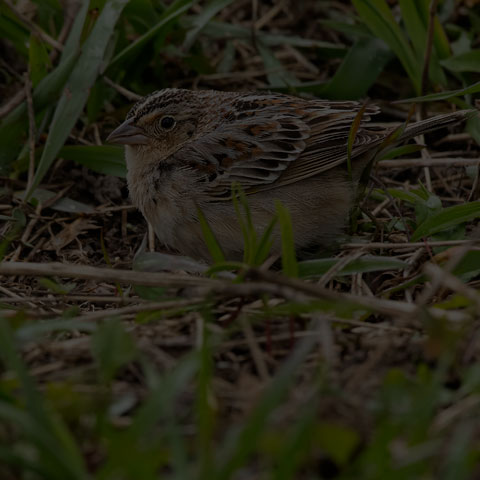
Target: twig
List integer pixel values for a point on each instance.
(386, 307)
(474, 188)
(144, 307)
(151, 237)
(454, 414)
(406, 245)
(430, 290)
(105, 274)
(393, 203)
(273, 12)
(257, 354)
(27, 232)
(323, 324)
(340, 265)
(129, 95)
(452, 282)
(19, 97)
(425, 159)
(430, 162)
(57, 298)
(280, 337)
(273, 284)
(34, 28)
(16, 100)
(362, 372)
(13, 297)
(454, 137)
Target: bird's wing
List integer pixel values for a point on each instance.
(271, 140)
(327, 145)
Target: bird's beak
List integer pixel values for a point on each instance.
(128, 134)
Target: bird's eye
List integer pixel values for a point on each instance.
(167, 123)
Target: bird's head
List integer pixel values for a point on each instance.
(159, 124)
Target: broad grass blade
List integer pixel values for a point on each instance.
(105, 159)
(379, 18)
(464, 62)
(14, 126)
(447, 218)
(363, 62)
(434, 97)
(176, 9)
(76, 92)
(200, 20)
(46, 431)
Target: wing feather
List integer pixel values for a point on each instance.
(271, 140)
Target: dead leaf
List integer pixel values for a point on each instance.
(69, 234)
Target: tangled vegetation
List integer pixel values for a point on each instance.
(120, 361)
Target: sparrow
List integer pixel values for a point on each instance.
(185, 149)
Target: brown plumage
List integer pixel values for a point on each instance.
(185, 149)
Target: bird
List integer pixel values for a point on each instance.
(188, 151)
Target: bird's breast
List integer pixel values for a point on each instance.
(162, 193)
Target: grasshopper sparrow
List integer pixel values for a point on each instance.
(184, 149)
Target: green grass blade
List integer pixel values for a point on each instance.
(227, 266)
(140, 450)
(72, 44)
(38, 60)
(297, 443)
(8, 457)
(364, 61)
(76, 93)
(49, 454)
(50, 87)
(245, 221)
(199, 21)
(164, 390)
(112, 348)
(434, 97)
(289, 260)
(47, 431)
(63, 204)
(210, 240)
(447, 218)
(416, 16)
(275, 39)
(239, 445)
(351, 137)
(403, 150)
(464, 62)
(440, 40)
(265, 243)
(414, 24)
(106, 159)
(176, 9)
(205, 410)
(14, 126)
(223, 30)
(276, 72)
(379, 18)
(12, 29)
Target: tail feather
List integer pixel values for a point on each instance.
(434, 123)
